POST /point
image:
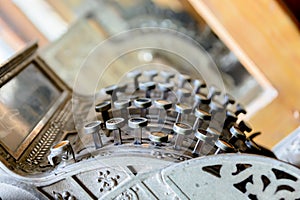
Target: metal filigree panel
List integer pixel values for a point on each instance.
(234, 177)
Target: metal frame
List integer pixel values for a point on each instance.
(11, 69)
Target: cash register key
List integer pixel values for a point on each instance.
(203, 137)
(115, 124)
(167, 76)
(245, 126)
(123, 104)
(135, 75)
(183, 79)
(213, 91)
(215, 106)
(103, 107)
(181, 109)
(61, 151)
(200, 99)
(163, 106)
(158, 137)
(198, 84)
(143, 104)
(150, 74)
(147, 87)
(240, 109)
(182, 93)
(181, 129)
(165, 88)
(228, 99)
(222, 146)
(201, 117)
(112, 91)
(231, 118)
(138, 123)
(236, 134)
(94, 129)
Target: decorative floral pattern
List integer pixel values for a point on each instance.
(107, 180)
(257, 183)
(128, 195)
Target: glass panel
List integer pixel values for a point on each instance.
(24, 101)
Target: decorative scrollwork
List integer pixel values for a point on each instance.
(257, 183)
(107, 180)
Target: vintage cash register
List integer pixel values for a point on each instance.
(163, 129)
(161, 134)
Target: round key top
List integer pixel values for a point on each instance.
(163, 106)
(223, 147)
(158, 137)
(94, 128)
(182, 109)
(103, 107)
(182, 130)
(143, 102)
(201, 117)
(115, 124)
(147, 87)
(138, 123)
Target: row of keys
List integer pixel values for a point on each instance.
(208, 111)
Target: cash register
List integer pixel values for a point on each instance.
(160, 135)
(167, 128)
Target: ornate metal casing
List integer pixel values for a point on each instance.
(137, 149)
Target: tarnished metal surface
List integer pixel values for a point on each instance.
(154, 134)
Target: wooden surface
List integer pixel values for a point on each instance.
(267, 41)
(20, 24)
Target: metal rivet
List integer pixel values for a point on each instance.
(237, 134)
